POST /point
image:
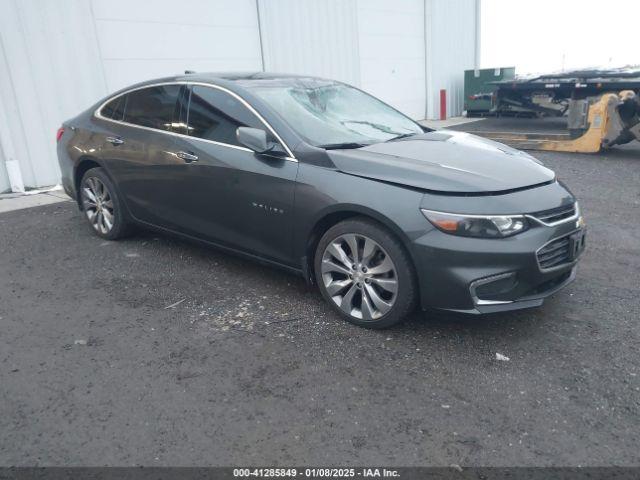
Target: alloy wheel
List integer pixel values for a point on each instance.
(359, 276)
(98, 205)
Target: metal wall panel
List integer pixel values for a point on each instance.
(392, 53)
(451, 32)
(137, 42)
(57, 58)
(49, 73)
(311, 37)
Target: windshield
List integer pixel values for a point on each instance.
(330, 114)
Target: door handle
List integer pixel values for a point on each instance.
(115, 140)
(187, 157)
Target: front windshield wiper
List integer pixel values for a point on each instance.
(345, 145)
(404, 135)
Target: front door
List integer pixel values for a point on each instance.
(225, 192)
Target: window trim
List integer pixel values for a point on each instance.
(97, 114)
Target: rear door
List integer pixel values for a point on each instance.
(227, 193)
(139, 148)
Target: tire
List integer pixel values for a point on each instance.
(381, 290)
(102, 207)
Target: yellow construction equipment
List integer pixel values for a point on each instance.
(608, 120)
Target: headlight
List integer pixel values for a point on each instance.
(483, 226)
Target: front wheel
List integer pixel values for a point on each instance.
(365, 274)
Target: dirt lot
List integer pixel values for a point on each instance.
(253, 368)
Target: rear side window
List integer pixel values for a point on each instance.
(152, 107)
(115, 108)
(215, 115)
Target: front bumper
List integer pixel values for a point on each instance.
(477, 276)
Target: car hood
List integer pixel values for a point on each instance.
(445, 161)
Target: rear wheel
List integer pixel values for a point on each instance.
(102, 207)
(365, 274)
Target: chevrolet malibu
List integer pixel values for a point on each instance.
(318, 177)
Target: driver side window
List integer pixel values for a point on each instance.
(215, 115)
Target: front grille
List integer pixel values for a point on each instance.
(556, 214)
(554, 253)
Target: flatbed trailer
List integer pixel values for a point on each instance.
(603, 109)
(551, 94)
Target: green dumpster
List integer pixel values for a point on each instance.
(478, 91)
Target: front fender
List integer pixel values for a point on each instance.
(325, 196)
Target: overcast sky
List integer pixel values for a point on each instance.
(546, 35)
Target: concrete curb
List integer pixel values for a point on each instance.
(11, 202)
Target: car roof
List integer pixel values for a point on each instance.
(231, 77)
(234, 81)
(244, 75)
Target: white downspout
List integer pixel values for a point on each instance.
(9, 153)
(260, 35)
(478, 35)
(6, 141)
(428, 61)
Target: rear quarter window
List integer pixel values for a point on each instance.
(115, 108)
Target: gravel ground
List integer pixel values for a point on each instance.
(252, 368)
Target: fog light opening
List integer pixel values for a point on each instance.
(485, 290)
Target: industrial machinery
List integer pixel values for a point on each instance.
(549, 94)
(603, 109)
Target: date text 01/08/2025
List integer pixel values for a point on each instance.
(315, 472)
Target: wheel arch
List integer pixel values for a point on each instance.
(83, 165)
(336, 214)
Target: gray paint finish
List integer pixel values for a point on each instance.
(276, 208)
(440, 162)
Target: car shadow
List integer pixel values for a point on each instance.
(419, 324)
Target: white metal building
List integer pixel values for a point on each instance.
(59, 57)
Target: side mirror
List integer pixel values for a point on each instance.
(254, 138)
